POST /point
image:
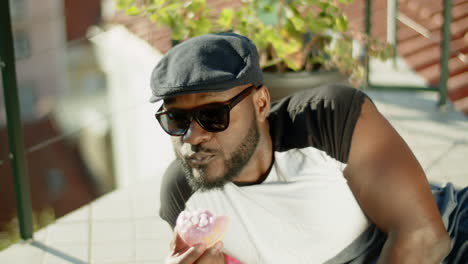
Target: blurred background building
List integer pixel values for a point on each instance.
(60, 88)
(83, 90)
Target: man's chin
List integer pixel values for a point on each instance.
(203, 181)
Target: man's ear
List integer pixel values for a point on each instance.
(262, 103)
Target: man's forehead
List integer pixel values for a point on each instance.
(185, 97)
(208, 95)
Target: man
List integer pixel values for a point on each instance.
(305, 180)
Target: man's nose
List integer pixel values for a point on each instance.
(196, 134)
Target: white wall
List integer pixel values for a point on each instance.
(141, 149)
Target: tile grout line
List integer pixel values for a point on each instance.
(46, 240)
(132, 217)
(443, 154)
(90, 229)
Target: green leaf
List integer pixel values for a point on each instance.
(298, 23)
(225, 18)
(178, 30)
(267, 9)
(196, 5)
(265, 35)
(341, 23)
(317, 60)
(159, 2)
(310, 2)
(154, 18)
(284, 48)
(201, 26)
(133, 11)
(124, 4)
(164, 17)
(324, 5)
(295, 18)
(174, 7)
(288, 12)
(317, 25)
(293, 64)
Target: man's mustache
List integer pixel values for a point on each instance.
(195, 149)
(184, 153)
(199, 148)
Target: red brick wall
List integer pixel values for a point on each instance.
(79, 15)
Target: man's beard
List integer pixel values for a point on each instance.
(232, 167)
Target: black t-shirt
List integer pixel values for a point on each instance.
(322, 117)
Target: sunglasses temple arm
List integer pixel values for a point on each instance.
(241, 96)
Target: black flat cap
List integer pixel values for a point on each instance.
(207, 63)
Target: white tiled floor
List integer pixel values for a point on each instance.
(439, 139)
(123, 226)
(113, 229)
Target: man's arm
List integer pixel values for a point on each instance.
(393, 192)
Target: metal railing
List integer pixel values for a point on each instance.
(444, 46)
(15, 132)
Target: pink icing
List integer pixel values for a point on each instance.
(201, 226)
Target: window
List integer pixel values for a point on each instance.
(28, 100)
(55, 183)
(22, 44)
(18, 9)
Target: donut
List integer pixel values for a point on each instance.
(201, 226)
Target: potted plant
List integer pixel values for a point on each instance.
(307, 37)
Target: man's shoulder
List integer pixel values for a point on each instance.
(329, 93)
(322, 117)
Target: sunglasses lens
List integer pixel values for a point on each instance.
(214, 119)
(174, 123)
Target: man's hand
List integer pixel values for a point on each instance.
(182, 253)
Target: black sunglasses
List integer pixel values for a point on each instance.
(211, 117)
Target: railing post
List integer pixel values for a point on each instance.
(15, 133)
(392, 28)
(445, 51)
(367, 25)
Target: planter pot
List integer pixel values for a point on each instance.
(283, 84)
